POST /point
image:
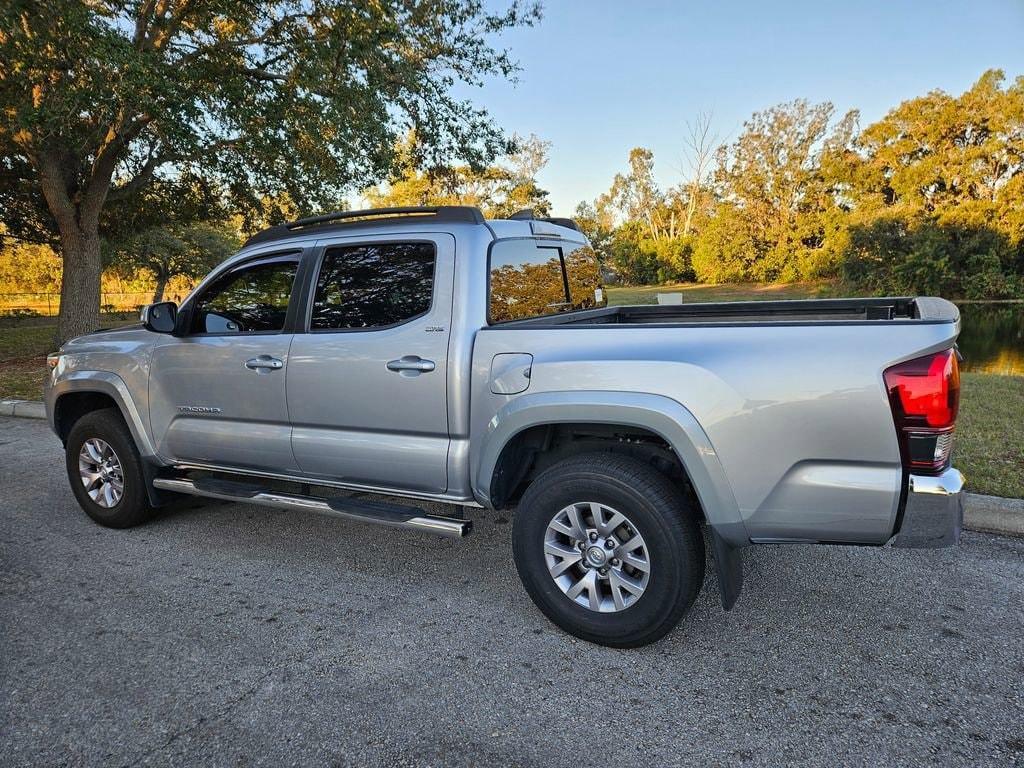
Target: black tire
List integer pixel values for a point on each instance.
(658, 511)
(133, 507)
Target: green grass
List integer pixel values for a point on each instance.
(23, 341)
(989, 446)
(698, 292)
(23, 350)
(22, 381)
(34, 336)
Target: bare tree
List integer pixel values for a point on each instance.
(701, 144)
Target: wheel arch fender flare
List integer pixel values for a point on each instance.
(111, 385)
(658, 414)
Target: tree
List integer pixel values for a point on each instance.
(937, 191)
(499, 190)
(701, 146)
(179, 227)
(188, 251)
(647, 243)
(522, 166)
(304, 98)
(937, 152)
(725, 251)
(598, 224)
(771, 176)
(637, 196)
(29, 268)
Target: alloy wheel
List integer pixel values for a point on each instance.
(101, 473)
(597, 557)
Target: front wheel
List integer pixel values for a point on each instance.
(105, 470)
(608, 549)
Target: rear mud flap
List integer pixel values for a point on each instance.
(729, 565)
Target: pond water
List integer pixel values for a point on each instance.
(992, 337)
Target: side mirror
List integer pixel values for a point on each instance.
(160, 318)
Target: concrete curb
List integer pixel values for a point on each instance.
(994, 514)
(991, 514)
(27, 409)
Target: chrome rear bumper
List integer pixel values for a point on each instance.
(934, 513)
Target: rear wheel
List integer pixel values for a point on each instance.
(608, 549)
(105, 470)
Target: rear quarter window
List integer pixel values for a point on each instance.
(535, 277)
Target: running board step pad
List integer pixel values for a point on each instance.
(382, 513)
(227, 487)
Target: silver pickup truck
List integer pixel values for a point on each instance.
(434, 355)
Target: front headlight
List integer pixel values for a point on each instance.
(52, 360)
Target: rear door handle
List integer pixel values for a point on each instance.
(264, 363)
(411, 365)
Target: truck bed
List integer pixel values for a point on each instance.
(788, 396)
(812, 311)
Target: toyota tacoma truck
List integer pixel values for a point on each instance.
(432, 355)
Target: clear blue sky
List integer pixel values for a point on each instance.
(601, 77)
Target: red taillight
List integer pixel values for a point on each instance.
(925, 395)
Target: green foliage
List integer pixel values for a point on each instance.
(930, 199)
(939, 191)
(771, 177)
(499, 190)
(296, 99)
(674, 256)
(725, 250)
(29, 268)
(649, 245)
(166, 252)
(628, 260)
(599, 226)
(892, 255)
(303, 98)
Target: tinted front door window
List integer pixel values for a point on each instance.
(252, 298)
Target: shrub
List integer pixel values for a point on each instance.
(17, 314)
(890, 255)
(724, 251)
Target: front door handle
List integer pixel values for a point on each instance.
(411, 365)
(264, 363)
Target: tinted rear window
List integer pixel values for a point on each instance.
(532, 278)
(373, 286)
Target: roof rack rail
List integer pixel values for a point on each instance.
(527, 215)
(465, 213)
(447, 213)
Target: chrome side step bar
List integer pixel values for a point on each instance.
(362, 510)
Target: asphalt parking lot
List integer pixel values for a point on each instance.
(224, 635)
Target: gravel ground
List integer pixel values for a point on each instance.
(230, 635)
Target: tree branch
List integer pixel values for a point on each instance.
(51, 180)
(265, 74)
(141, 24)
(137, 182)
(96, 188)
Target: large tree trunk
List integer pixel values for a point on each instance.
(161, 284)
(80, 287)
(78, 223)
